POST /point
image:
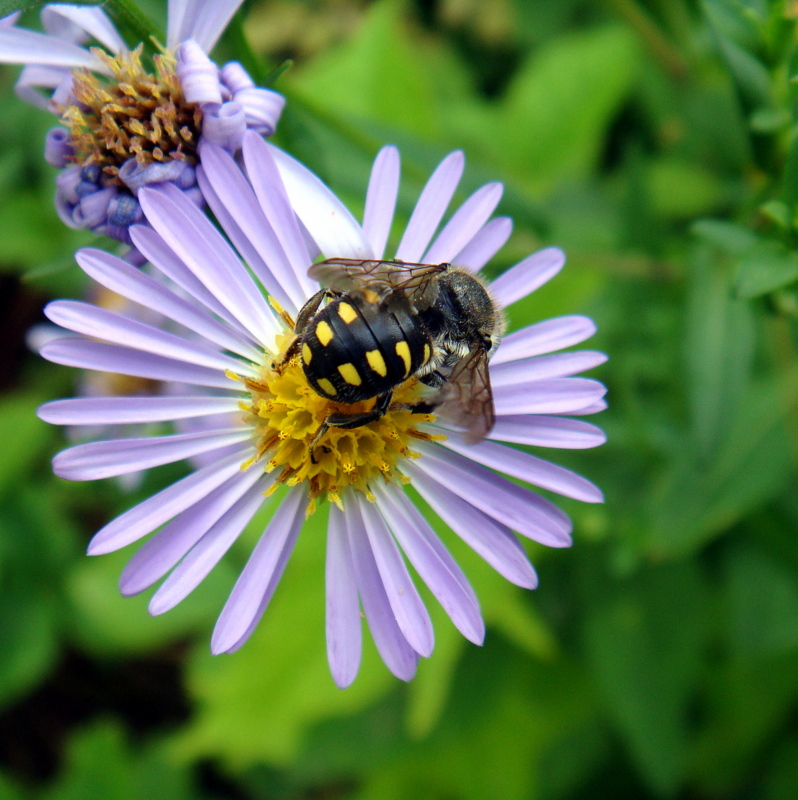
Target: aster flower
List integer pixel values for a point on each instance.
(280, 217)
(122, 126)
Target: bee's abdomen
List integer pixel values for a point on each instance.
(352, 350)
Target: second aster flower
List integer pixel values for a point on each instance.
(124, 125)
(280, 218)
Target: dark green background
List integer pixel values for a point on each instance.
(656, 143)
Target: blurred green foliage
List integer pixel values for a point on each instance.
(657, 142)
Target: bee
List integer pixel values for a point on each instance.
(386, 321)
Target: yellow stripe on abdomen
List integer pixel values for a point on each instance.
(403, 351)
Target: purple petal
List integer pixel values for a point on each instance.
(202, 249)
(207, 552)
(262, 107)
(234, 203)
(344, 630)
(124, 279)
(327, 219)
(559, 365)
(35, 77)
(160, 553)
(161, 507)
(133, 410)
(398, 655)
(465, 223)
(202, 20)
(198, 75)
(408, 608)
(431, 206)
(528, 468)
(555, 396)
(21, 46)
(593, 408)
(545, 431)
(520, 509)
(544, 337)
(271, 194)
(381, 199)
(432, 561)
(124, 361)
(224, 126)
(96, 460)
(73, 23)
(527, 275)
(156, 251)
(58, 151)
(255, 585)
(235, 77)
(99, 323)
(485, 244)
(494, 542)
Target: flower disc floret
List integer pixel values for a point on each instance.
(134, 114)
(287, 413)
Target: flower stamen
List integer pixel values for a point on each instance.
(289, 419)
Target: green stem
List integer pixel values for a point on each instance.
(129, 16)
(240, 45)
(645, 27)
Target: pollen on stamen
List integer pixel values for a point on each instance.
(131, 114)
(286, 414)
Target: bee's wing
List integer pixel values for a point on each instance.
(415, 283)
(467, 399)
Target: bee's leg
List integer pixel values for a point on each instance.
(363, 418)
(416, 408)
(350, 421)
(306, 313)
(316, 439)
(434, 379)
(291, 350)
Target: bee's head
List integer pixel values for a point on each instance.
(480, 315)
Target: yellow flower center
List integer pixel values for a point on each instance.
(286, 414)
(132, 114)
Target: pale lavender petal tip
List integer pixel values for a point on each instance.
(198, 75)
(225, 126)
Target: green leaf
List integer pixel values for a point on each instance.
(100, 763)
(8, 790)
(762, 601)
(28, 632)
(681, 189)
(719, 347)
(728, 236)
(746, 705)
(24, 437)
(551, 124)
(765, 267)
(378, 74)
(699, 499)
(501, 721)
(644, 646)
